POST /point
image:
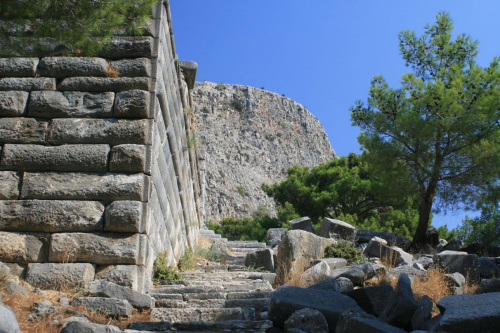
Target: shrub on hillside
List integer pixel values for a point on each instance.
(346, 250)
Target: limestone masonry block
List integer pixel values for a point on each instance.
(23, 248)
(27, 84)
(13, 103)
(70, 104)
(61, 67)
(99, 84)
(132, 104)
(132, 67)
(130, 158)
(51, 215)
(60, 276)
(108, 306)
(129, 47)
(85, 186)
(99, 248)
(10, 184)
(110, 131)
(132, 276)
(58, 158)
(126, 216)
(18, 67)
(22, 130)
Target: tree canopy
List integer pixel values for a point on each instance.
(83, 26)
(441, 125)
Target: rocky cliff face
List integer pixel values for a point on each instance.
(250, 136)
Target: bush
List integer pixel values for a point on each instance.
(237, 104)
(162, 271)
(346, 250)
(187, 262)
(241, 190)
(245, 228)
(215, 253)
(220, 86)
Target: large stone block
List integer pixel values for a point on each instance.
(391, 254)
(99, 248)
(22, 130)
(337, 229)
(27, 84)
(364, 323)
(51, 215)
(260, 259)
(109, 289)
(461, 262)
(136, 277)
(61, 67)
(10, 185)
(304, 223)
(129, 47)
(22, 247)
(108, 306)
(13, 103)
(132, 104)
(8, 320)
(18, 67)
(70, 104)
(60, 276)
(132, 67)
(126, 216)
(130, 158)
(100, 84)
(85, 186)
(57, 158)
(110, 131)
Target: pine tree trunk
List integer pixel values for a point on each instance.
(425, 209)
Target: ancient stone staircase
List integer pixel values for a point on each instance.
(217, 297)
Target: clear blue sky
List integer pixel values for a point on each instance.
(321, 53)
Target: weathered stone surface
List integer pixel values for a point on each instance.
(431, 236)
(423, 312)
(297, 251)
(412, 272)
(101, 84)
(51, 215)
(393, 255)
(456, 282)
(344, 284)
(132, 104)
(132, 67)
(197, 315)
(488, 286)
(126, 216)
(307, 320)
(100, 249)
(130, 158)
(274, 236)
(22, 130)
(364, 236)
(373, 300)
(109, 289)
(333, 263)
(129, 47)
(9, 190)
(108, 306)
(328, 284)
(400, 311)
(13, 103)
(18, 67)
(85, 186)
(469, 313)
(23, 248)
(363, 323)
(357, 273)
(57, 158)
(81, 327)
(487, 268)
(8, 321)
(61, 67)
(286, 300)
(132, 276)
(12, 288)
(454, 245)
(70, 104)
(331, 228)
(16, 269)
(461, 262)
(304, 223)
(260, 259)
(147, 326)
(315, 274)
(60, 276)
(27, 84)
(110, 131)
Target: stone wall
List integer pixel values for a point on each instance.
(96, 172)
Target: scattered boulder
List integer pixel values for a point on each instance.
(307, 320)
(412, 272)
(286, 300)
(329, 284)
(423, 313)
(487, 268)
(488, 286)
(109, 306)
(41, 310)
(337, 229)
(315, 274)
(304, 223)
(260, 259)
(453, 245)
(12, 288)
(373, 300)
(364, 236)
(274, 236)
(297, 251)
(431, 236)
(390, 254)
(363, 323)
(333, 263)
(344, 284)
(82, 327)
(469, 313)
(8, 321)
(112, 290)
(357, 273)
(456, 282)
(461, 262)
(424, 260)
(400, 312)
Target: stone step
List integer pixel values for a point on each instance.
(195, 303)
(251, 285)
(226, 326)
(248, 295)
(210, 315)
(246, 244)
(259, 304)
(206, 232)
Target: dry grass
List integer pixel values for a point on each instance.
(294, 274)
(111, 71)
(434, 285)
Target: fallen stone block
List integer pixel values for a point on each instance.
(488, 286)
(304, 223)
(315, 274)
(286, 300)
(22, 130)
(132, 67)
(82, 327)
(18, 67)
(344, 284)
(51, 215)
(60, 276)
(70, 104)
(363, 323)
(85, 186)
(108, 306)
(331, 228)
(130, 158)
(11, 182)
(391, 254)
(13, 103)
(456, 282)
(364, 236)
(357, 273)
(373, 300)
(197, 315)
(307, 320)
(101, 84)
(274, 236)
(126, 216)
(12, 288)
(61, 67)
(333, 263)
(328, 284)
(400, 311)
(27, 84)
(423, 313)
(412, 272)
(487, 268)
(261, 259)
(23, 248)
(461, 262)
(109, 289)
(8, 320)
(133, 276)
(59, 158)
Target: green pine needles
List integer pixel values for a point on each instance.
(82, 26)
